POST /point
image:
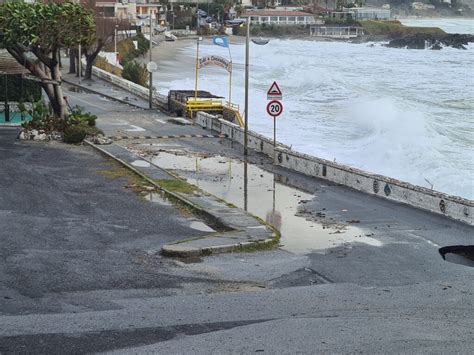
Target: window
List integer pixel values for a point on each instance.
(254, 18)
(264, 18)
(274, 19)
(300, 18)
(291, 18)
(282, 18)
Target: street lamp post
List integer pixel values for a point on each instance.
(151, 73)
(247, 51)
(260, 42)
(115, 45)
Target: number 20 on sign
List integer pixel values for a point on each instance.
(274, 108)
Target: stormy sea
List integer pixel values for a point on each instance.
(407, 114)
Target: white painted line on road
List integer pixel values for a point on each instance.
(159, 120)
(118, 123)
(135, 129)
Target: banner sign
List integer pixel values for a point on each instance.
(215, 60)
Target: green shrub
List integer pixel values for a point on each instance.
(74, 134)
(78, 116)
(41, 118)
(136, 73)
(18, 88)
(79, 125)
(143, 43)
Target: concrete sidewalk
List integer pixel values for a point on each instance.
(101, 87)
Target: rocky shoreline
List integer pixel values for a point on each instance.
(432, 41)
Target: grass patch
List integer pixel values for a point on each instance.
(396, 29)
(178, 186)
(135, 182)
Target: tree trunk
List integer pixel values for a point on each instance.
(72, 60)
(61, 111)
(88, 72)
(90, 58)
(47, 70)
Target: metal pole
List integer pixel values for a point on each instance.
(151, 73)
(197, 67)
(246, 128)
(274, 138)
(79, 65)
(115, 45)
(245, 185)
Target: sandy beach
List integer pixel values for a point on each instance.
(174, 64)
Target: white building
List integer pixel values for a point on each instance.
(369, 13)
(422, 6)
(279, 17)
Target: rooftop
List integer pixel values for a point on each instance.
(275, 13)
(8, 65)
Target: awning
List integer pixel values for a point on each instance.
(9, 66)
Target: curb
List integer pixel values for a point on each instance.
(92, 91)
(183, 248)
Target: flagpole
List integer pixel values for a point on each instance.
(230, 74)
(197, 65)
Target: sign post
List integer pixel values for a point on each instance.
(274, 109)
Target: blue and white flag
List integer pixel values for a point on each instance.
(221, 41)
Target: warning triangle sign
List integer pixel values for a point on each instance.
(274, 91)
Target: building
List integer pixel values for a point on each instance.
(339, 32)
(369, 13)
(279, 17)
(422, 6)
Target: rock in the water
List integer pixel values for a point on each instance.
(432, 41)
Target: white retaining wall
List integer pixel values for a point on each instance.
(158, 99)
(451, 206)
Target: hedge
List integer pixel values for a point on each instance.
(19, 89)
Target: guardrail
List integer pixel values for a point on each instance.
(382, 186)
(159, 100)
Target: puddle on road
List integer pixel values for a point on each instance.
(260, 193)
(141, 163)
(77, 90)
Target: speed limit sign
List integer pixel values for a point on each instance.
(275, 108)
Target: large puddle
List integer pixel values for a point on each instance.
(260, 193)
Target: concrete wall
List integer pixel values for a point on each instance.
(382, 186)
(159, 100)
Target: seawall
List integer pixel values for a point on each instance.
(382, 186)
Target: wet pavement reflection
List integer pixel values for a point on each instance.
(264, 195)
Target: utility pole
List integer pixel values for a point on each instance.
(247, 51)
(79, 64)
(151, 73)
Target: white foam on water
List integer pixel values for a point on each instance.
(403, 113)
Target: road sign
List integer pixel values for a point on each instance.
(274, 93)
(275, 108)
(152, 67)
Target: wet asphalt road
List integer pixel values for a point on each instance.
(103, 288)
